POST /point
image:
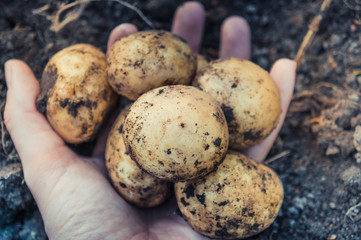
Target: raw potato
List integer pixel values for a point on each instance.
(176, 133)
(133, 184)
(248, 96)
(201, 62)
(146, 60)
(75, 93)
(239, 200)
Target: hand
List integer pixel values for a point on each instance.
(73, 194)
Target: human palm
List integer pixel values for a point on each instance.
(73, 194)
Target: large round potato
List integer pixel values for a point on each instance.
(240, 199)
(176, 133)
(75, 93)
(145, 60)
(132, 183)
(248, 96)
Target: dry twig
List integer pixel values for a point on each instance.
(353, 4)
(70, 17)
(312, 31)
(59, 24)
(2, 106)
(354, 213)
(40, 11)
(356, 72)
(3, 137)
(277, 157)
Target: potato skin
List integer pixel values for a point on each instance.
(201, 62)
(248, 96)
(75, 93)
(176, 133)
(146, 60)
(239, 200)
(131, 182)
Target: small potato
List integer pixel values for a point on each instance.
(248, 96)
(75, 93)
(201, 62)
(146, 60)
(176, 133)
(240, 199)
(133, 184)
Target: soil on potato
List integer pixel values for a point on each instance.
(318, 153)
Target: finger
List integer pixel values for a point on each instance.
(283, 73)
(120, 31)
(188, 23)
(235, 38)
(39, 147)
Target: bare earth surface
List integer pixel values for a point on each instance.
(320, 143)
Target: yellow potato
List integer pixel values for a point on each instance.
(248, 96)
(75, 93)
(176, 133)
(239, 200)
(146, 60)
(201, 62)
(132, 183)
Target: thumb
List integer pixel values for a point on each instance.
(37, 144)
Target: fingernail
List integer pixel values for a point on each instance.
(8, 73)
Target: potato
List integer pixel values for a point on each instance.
(75, 93)
(146, 60)
(240, 199)
(176, 133)
(201, 62)
(133, 184)
(248, 96)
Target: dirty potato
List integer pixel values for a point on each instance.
(133, 184)
(201, 62)
(248, 96)
(176, 133)
(146, 60)
(240, 199)
(75, 93)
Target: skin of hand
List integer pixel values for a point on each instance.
(73, 194)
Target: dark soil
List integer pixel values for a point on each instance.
(321, 169)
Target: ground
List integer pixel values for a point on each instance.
(317, 155)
